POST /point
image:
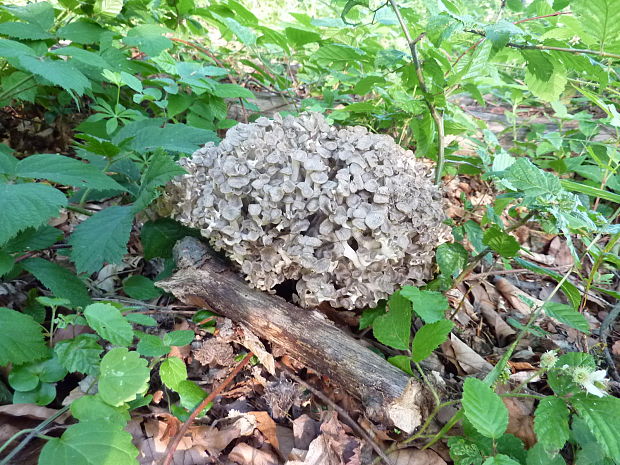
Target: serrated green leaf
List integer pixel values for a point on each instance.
(243, 33)
(551, 422)
(501, 242)
(90, 443)
(149, 38)
(108, 7)
(394, 327)
(62, 282)
(57, 72)
(172, 371)
(141, 319)
(501, 32)
(141, 288)
(80, 354)
(339, 53)
(500, 459)
(6, 263)
(428, 305)
(159, 236)
(24, 31)
(524, 176)
(81, 31)
(88, 408)
(451, 258)
(232, 91)
(152, 346)
(27, 205)
(567, 315)
(484, 408)
(14, 49)
(370, 314)
(538, 64)
(123, 376)
(464, 452)
(33, 239)
(39, 13)
(179, 338)
(429, 337)
(160, 170)
(601, 20)
(65, 170)
(300, 37)
(549, 89)
(109, 323)
(538, 455)
(101, 238)
(602, 415)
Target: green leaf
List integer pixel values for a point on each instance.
(161, 169)
(501, 32)
(141, 319)
(567, 315)
(62, 282)
(538, 64)
(557, 378)
(90, 443)
(191, 394)
(369, 315)
(22, 378)
(140, 288)
(80, 354)
(501, 242)
(159, 236)
(551, 422)
(403, 362)
(148, 38)
(57, 72)
(538, 455)
(464, 452)
(81, 31)
(300, 37)
(43, 394)
(88, 408)
(101, 238)
(524, 176)
(123, 376)
(179, 338)
(172, 371)
(40, 13)
(451, 258)
(65, 170)
(148, 135)
(602, 415)
(394, 327)
(547, 89)
(429, 337)
(339, 53)
(484, 408)
(27, 205)
(428, 305)
(33, 239)
(14, 49)
(232, 91)
(601, 20)
(244, 34)
(500, 459)
(152, 346)
(109, 323)
(24, 31)
(108, 7)
(593, 192)
(6, 263)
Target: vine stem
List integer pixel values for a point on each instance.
(172, 446)
(435, 113)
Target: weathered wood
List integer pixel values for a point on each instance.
(388, 394)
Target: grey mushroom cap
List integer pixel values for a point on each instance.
(349, 214)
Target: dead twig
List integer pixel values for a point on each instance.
(172, 446)
(343, 414)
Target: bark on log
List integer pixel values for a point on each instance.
(388, 395)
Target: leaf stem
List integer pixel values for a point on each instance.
(435, 113)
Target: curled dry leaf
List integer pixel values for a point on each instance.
(503, 332)
(244, 454)
(254, 345)
(266, 425)
(305, 430)
(32, 411)
(521, 420)
(515, 296)
(464, 357)
(152, 444)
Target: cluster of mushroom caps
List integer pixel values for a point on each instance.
(349, 215)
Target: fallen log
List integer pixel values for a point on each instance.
(389, 395)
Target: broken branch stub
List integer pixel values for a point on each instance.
(388, 394)
(350, 215)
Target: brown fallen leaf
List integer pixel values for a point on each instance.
(305, 430)
(253, 344)
(503, 332)
(615, 349)
(559, 250)
(464, 357)
(412, 456)
(520, 420)
(515, 296)
(32, 411)
(244, 454)
(266, 425)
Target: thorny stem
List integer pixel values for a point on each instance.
(435, 113)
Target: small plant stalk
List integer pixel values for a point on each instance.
(435, 113)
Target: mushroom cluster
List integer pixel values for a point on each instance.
(349, 215)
